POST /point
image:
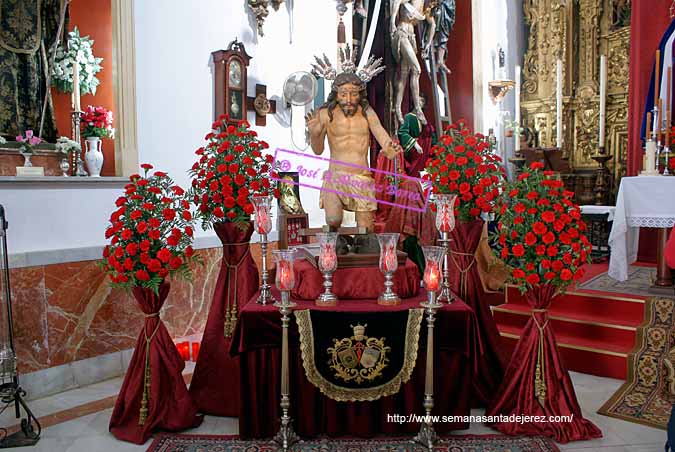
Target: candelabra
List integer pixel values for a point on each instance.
(263, 226)
(10, 391)
(327, 265)
(603, 177)
(445, 223)
(666, 154)
(77, 164)
(285, 281)
(388, 265)
(432, 254)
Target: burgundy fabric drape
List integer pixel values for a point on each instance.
(354, 283)
(411, 223)
(169, 406)
(215, 384)
(381, 178)
(465, 282)
(649, 20)
(537, 348)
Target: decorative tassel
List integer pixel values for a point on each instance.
(540, 371)
(144, 411)
(143, 414)
(228, 322)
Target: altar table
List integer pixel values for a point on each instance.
(257, 342)
(642, 201)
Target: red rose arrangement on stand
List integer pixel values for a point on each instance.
(542, 241)
(150, 233)
(231, 167)
(150, 240)
(463, 164)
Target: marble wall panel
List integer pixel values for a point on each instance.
(68, 312)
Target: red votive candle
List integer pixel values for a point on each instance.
(195, 350)
(184, 350)
(390, 260)
(432, 277)
(286, 277)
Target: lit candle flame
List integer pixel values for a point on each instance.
(432, 276)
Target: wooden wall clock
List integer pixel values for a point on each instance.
(230, 81)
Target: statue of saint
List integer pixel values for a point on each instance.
(348, 121)
(444, 16)
(405, 14)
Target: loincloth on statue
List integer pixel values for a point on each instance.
(404, 32)
(356, 192)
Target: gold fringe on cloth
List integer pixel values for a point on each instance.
(540, 371)
(231, 310)
(462, 271)
(341, 394)
(143, 414)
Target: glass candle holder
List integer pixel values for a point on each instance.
(262, 208)
(433, 256)
(445, 212)
(327, 265)
(445, 223)
(285, 274)
(388, 265)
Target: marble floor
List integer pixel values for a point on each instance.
(89, 433)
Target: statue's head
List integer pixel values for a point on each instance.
(348, 92)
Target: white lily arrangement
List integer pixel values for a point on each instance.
(64, 145)
(79, 51)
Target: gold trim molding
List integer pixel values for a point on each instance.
(124, 79)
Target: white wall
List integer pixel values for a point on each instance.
(501, 24)
(174, 41)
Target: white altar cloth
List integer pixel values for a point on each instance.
(642, 201)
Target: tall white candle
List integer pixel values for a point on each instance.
(558, 103)
(603, 98)
(517, 108)
(76, 86)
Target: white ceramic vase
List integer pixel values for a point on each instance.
(94, 156)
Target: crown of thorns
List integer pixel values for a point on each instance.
(324, 68)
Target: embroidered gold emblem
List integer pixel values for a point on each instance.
(358, 358)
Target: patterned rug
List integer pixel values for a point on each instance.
(638, 282)
(649, 392)
(464, 443)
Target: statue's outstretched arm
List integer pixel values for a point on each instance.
(388, 146)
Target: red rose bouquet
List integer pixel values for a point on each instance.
(97, 122)
(541, 232)
(230, 169)
(463, 164)
(150, 233)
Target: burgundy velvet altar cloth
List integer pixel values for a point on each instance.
(354, 283)
(257, 342)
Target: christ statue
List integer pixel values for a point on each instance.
(348, 121)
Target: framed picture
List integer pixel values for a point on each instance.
(289, 193)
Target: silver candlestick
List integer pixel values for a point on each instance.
(427, 435)
(77, 166)
(265, 293)
(666, 152)
(327, 298)
(285, 437)
(446, 294)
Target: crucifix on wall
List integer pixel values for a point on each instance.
(261, 105)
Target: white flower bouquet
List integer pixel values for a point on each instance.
(79, 51)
